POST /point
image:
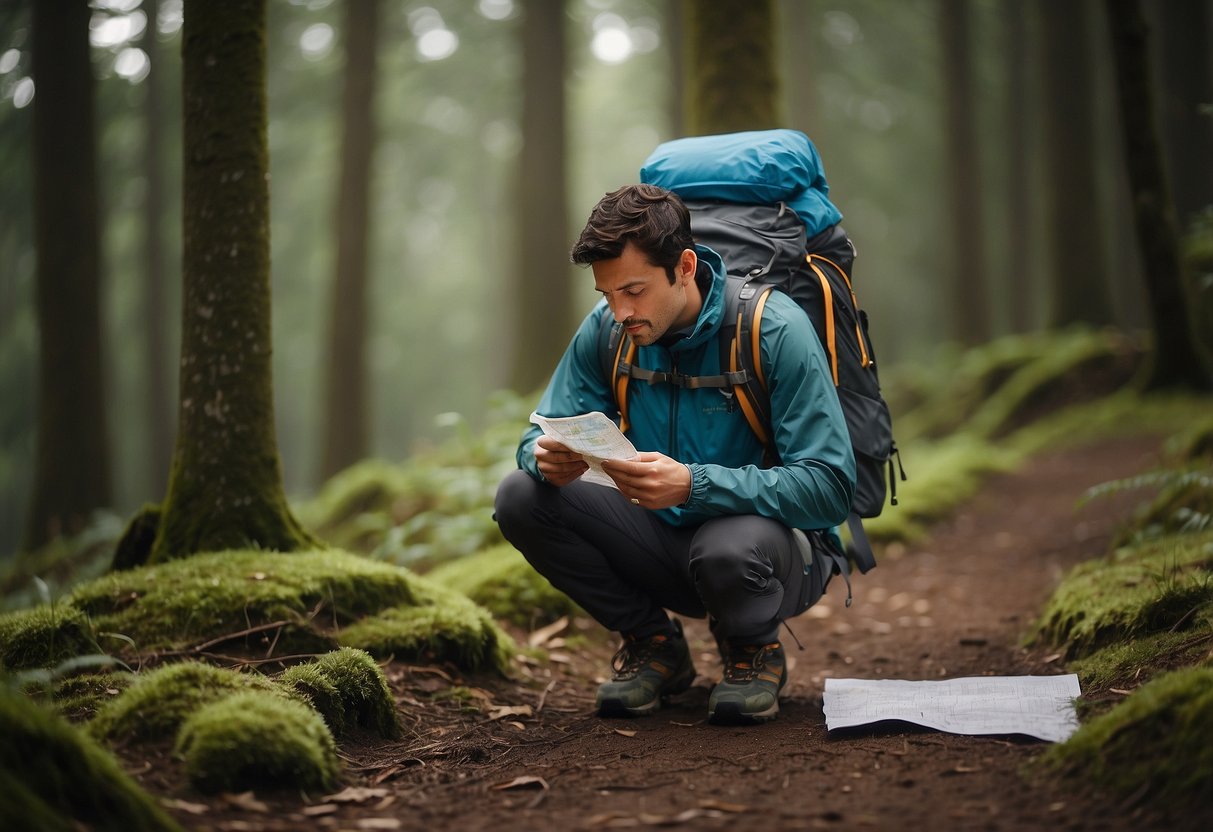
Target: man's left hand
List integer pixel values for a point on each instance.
(651, 479)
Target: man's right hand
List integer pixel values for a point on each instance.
(557, 463)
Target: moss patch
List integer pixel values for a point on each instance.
(1154, 745)
(348, 688)
(80, 697)
(452, 630)
(54, 777)
(159, 701)
(501, 581)
(254, 738)
(1161, 586)
(44, 637)
(180, 602)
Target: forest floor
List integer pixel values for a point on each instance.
(530, 752)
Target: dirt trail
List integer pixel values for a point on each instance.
(953, 605)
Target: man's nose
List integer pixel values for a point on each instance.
(621, 310)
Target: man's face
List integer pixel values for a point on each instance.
(641, 296)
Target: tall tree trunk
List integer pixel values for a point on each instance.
(225, 490)
(157, 394)
(1185, 29)
(71, 466)
(970, 300)
(545, 291)
(797, 42)
(732, 77)
(1021, 286)
(1175, 362)
(675, 48)
(1076, 270)
(346, 400)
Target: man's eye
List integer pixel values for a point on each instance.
(632, 293)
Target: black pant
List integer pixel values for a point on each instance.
(625, 566)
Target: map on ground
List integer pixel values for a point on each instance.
(1038, 706)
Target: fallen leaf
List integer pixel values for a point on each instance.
(625, 733)
(356, 794)
(515, 724)
(258, 576)
(501, 711)
(524, 781)
(1120, 691)
(247, 801)
(185, 806)
(377, 823)
(321, 809)
(541, 636)
(1052, 657)
(560, 658)
(721, 806)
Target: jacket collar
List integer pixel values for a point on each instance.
(712, 312)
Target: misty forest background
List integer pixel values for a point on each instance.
(440, 155)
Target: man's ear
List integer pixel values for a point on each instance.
(688, 262)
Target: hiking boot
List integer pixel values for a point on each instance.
(753, 676)
(645, 671)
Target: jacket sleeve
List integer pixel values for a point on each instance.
(813, 485)
(577, 386)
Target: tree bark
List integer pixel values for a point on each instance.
(1076, 273)
(71, 464)
(1021, 285)
(157, 393)
(1175, 360)
(1184, 28)
(225, 490)
(970, 298)
(346, 437)
(545, 292)
(731, 66)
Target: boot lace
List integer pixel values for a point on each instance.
(747, 662)
(633, 655)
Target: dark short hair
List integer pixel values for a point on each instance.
(653, 219)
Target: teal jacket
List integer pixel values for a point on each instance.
(706, 430)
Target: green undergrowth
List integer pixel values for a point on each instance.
(55, 777)
(1159, 587)
(252, 739)
(1154, 747)
(258, 600)
(34, 577)
(500, 580)
(433, 507)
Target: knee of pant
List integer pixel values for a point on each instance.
(516, 497)
(719, 570)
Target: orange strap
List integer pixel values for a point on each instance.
(621, 380)
(827, 295)
(864, 358)
(747, 406)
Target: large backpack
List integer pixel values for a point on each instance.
(767, 247)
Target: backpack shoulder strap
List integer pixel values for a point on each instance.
(742, 353)
(615, 354)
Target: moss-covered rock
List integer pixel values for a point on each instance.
(44, 636)
(158, 702)
(1154, 746)
(257, 739)
(54, 777)
(453, 629)
(501, 581)
(348, 689)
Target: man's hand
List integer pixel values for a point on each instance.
(650, 479)
(557, 463)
